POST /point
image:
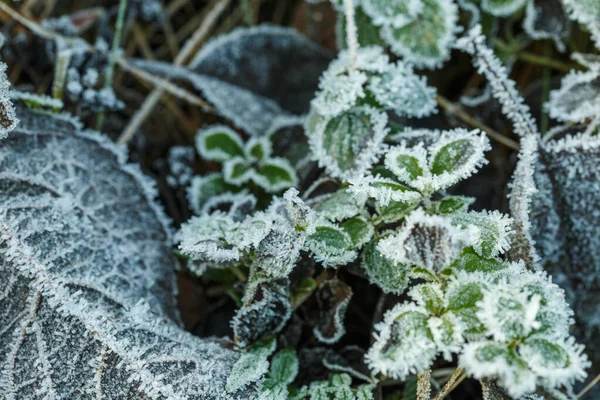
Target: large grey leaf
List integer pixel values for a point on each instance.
(255, 75)
(564, 222)
(87, 306)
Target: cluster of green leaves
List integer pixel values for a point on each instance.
(348, 122)
(243, 164)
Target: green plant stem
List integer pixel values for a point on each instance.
(247, 10)
(114, 54)
(546, 81)
(351, 32)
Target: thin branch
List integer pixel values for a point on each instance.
(457, 377)
(589, 386)
(116, 44)
(146, 108)
(351, 32)
(163, 85)
(465, 117)
(424, 385)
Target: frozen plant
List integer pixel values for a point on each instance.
(348, 123)
(419, 31)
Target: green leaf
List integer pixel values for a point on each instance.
(493, 230)
(368, 33)
(348, 143)
(423, 273)
(389, 276)
(258, 148)
(359, 229)
(452, 204)
(409, 164)
(426, 40)
(396, 13)
(251, 366)
(395, 210)
(465, 295)
(502, 8)
(219, 143)
(339, 206)
(284, 366)
(462, 298)
(544, 353)
(205, 187)
(451, 156)
(331, 245)
(470, 261)
(276, 174)
(429, 296)
(237, 171)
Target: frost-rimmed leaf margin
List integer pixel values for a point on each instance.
(129, 341)
(240, 74)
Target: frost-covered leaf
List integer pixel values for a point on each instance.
(219, 143)
(282, 372)
(266, 314)
(368, 33)
(565, 226)
(275, 175)
(425, 41)
(331, 245)
(251, 366)
(383, 190)
(519, 369)
(453, 204)
(426, 241)
(401, 90)
(456, 156)
(487, 358)
(391, 277)
(587, 13)
(546, 19)
(578, 97)
(254, 75)
(203, 188)
(359, 229)
(407, 164)
(258, 148)
(284, 366)
(238, 171)
(395, 12)
(493, 230)
(403, 344)
(508, 313)
(337, 387)
(8, 119)
(502, 8)
(88, 289)
(429, 296)
(348, 144)
(560, 362)
(333, 297)
(462, 296)
(395, 211)
(338, 206)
